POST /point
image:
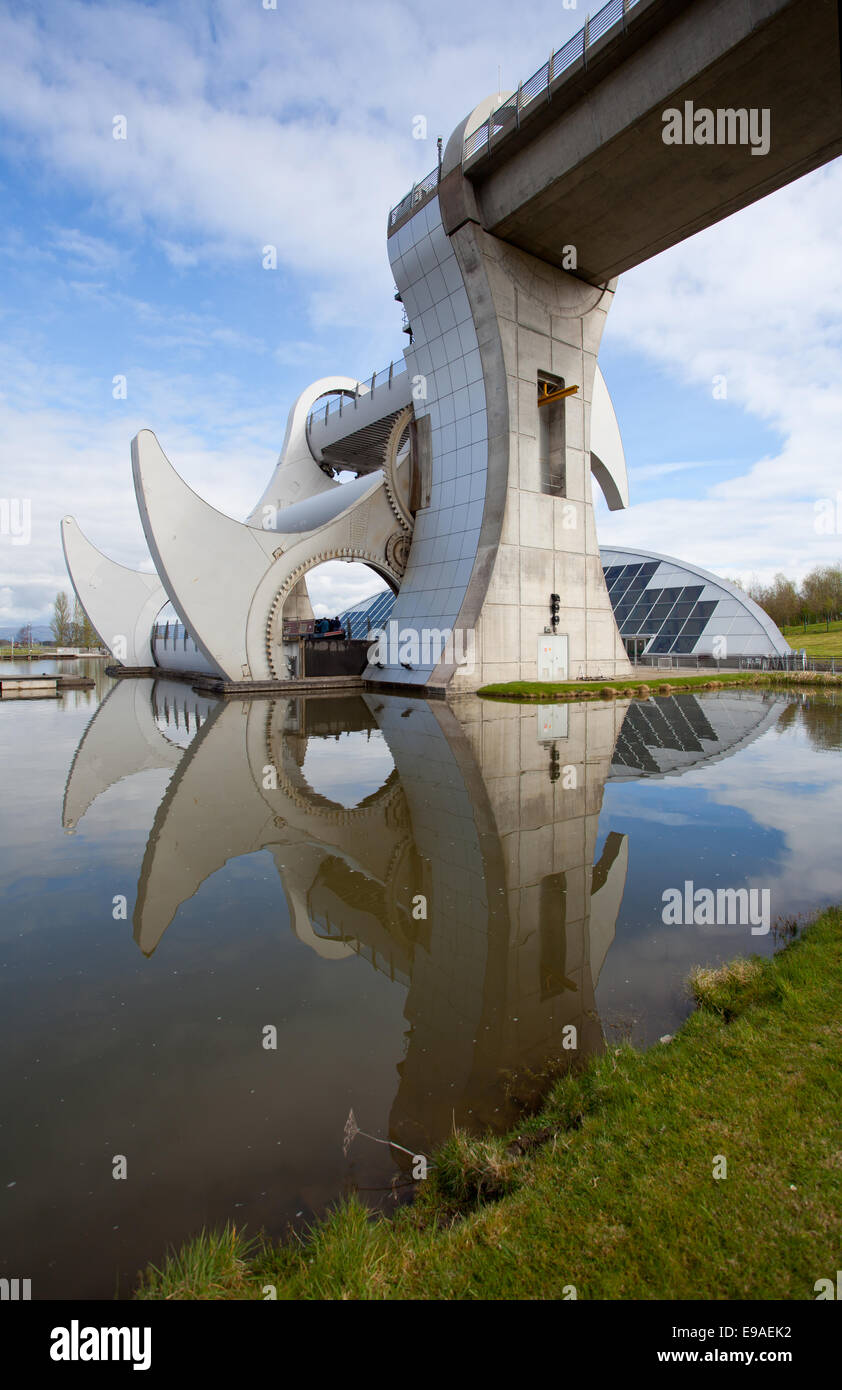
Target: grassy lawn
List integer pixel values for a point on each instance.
(659, 683)
(610, 1188)
(816, 641)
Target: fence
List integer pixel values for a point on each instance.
(329, 407)
(574, 51)
(507, 116)
(418, 194)
(794, 662)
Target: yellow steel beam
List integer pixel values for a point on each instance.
(546, 398)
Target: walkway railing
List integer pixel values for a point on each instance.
(612, 15)
(418, 194)
(507, 116)
(169, 635)
(331, 407)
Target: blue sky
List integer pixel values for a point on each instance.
(249, 126)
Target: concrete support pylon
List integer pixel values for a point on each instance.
(535, 319)
(509, 520)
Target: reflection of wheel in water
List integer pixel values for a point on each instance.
(285, 751)
(403, 880)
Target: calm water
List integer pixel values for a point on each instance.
(275, 858)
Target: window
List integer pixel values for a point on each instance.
(551, 437)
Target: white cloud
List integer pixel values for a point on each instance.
(54, 456)
(754, 300)
(181, 257)
(648, 472)
(65, 448)
(338, 584)
(248, 127)
(89, 252)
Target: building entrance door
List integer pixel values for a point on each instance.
(634, 646)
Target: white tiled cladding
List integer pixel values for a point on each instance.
(446, 354)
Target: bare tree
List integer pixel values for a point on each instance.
(821, 591)
(819, 596)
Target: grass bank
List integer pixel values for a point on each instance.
(610, 1188)
(820, 639)
(660, 683)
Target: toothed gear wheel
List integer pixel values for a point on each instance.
(397, 551)
(397, 481)
(274, 618)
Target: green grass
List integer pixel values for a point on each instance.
(213, 1265)
(610, 1187)
(660, 682)
(817, 640)
(729, 990)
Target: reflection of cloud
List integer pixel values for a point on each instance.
(643, 812)
(348, 768)
(775, 804)
(789, 790)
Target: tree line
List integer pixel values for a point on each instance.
(817, 598)
(71, 628)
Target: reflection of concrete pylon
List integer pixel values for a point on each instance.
(498, 961)
(520, 919)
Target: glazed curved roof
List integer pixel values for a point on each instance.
(774, 634)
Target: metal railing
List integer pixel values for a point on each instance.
(507, 116)
(171, 636)
(794, 661)
(418, 194)
(331, 407)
